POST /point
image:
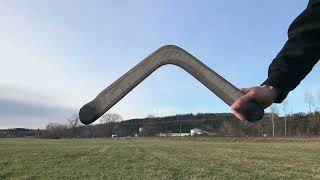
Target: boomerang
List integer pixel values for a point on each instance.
(167, 55)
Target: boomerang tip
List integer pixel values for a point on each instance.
(253, 112)
(88, 115)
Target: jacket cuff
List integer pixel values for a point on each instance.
(282, 93)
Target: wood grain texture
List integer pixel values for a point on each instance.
(165, 55)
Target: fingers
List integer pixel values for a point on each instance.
(238, 115)
(245, 90)
(242, 101)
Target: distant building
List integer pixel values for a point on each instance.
(200, 132)
(173, 134)
(195, 131)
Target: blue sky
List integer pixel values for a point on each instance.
(57, 55)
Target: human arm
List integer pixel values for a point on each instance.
(296, 59)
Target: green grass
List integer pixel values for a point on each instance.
(151, 158)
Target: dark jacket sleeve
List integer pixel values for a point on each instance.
(299, 54)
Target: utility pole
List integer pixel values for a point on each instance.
(272, 119)
(284, 108)
(180, 129)
(285, 126)
(274, 110)
(290, 120)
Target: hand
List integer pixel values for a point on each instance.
(264, 95)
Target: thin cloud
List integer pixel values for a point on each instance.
(15, 113)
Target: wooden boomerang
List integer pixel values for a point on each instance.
(167, 55)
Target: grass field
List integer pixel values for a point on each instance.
(151, 158)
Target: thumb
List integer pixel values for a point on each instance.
(241, 101)
(245, 90)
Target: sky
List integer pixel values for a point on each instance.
(55, 56)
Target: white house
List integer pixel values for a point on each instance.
(195, 131)
(173, 134)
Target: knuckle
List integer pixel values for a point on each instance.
(253, 92)
(240, 101)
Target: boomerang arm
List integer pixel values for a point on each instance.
(164, 55)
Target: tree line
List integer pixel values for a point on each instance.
(223, 124)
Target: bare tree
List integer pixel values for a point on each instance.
(309, 99)
(284, 109)
(73, 123)
(274, 111)
(110, 118)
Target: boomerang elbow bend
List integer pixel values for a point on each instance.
(168, 54)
